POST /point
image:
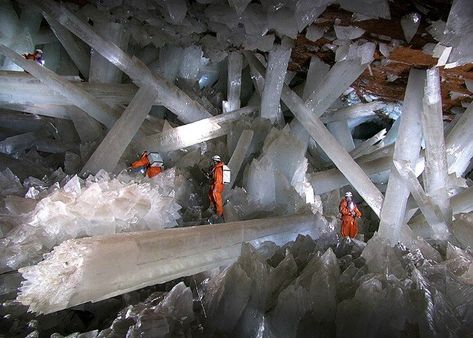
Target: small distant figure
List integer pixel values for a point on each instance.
(36, 56)
(219, 174)
(149, 164)
(350, 213)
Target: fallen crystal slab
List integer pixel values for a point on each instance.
(148, 257)
(97, 109)
(193, 133)
(328, 180)
(98, 206)
(22, 88)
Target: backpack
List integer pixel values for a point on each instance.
(226, 174)
(154, 157)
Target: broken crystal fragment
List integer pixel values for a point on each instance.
(348, 32)
(176, 9)
(314, 32)
(410, 23)
(283, 22)
(239, 5)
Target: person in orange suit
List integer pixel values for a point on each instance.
(216, 185)
(350, 213)
(36, 56)
(143, 165)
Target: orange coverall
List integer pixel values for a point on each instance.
(216, 188)
(144, 162)
(349, 224)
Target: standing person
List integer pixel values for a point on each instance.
(216, 185)
(350, 213)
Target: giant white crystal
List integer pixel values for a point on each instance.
(317, 130)
(274, 80)
(97, 109)
(435, 172)
(193, 133)
(101, 70)
(407, 148)
(95, 265)
(172, 97)
(78, 52)
(99, 205)
(109, 152)
(234, 82)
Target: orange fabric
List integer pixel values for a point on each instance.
(142, 162)
(216, 188)
(29, 56)
(153, 171)
(349, 223)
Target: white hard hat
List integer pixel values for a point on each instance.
(39, 51)
(216, 158)
(348, 194)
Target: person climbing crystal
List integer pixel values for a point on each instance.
(350, 213)
(150, 164)
(216, 185)
(36, 56)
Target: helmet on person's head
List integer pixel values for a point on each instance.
(348, 194)
(216, 158)
(38, 51)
